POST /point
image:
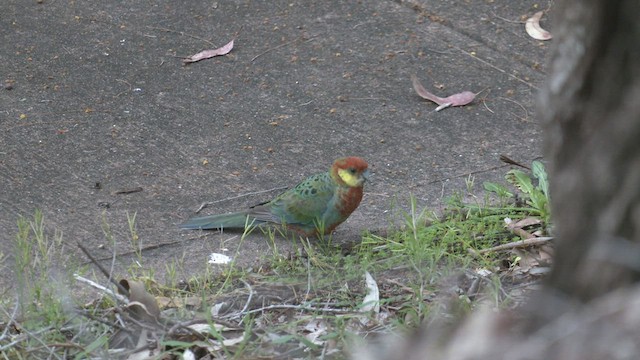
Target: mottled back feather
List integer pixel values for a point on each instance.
(321, 200)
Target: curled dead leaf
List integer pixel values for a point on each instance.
(459, 99)
(532, 26)
(141, 303)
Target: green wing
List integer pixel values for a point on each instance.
(304, 204)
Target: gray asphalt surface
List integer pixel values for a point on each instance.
(96, 100)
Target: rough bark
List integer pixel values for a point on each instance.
(589, 307)
(591, 110)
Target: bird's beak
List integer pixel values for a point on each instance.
(366, 175)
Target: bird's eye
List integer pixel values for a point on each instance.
(352, 170)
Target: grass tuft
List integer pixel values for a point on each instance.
(304, 304)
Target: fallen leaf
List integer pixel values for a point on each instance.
(141, 303)
(216, 258)
(459, 99)
(316, 329)
(483, 272)
(532, 26)
(149, 347)
(372, 300)
(215, 309)
(191, 302)
(206, 54)
(528, 221)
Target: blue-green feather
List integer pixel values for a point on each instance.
(304, 206)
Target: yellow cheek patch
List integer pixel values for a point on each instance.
(348, 178)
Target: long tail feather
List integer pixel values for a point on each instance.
(225, 221)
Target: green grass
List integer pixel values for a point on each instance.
(303, 304)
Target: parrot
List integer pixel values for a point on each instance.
(316, 206)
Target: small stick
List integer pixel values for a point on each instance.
(281, 45)
(101, 288)
(508, 160)
(246, 306)
(289, 306)
(526, 113)
(127, 190)
(486, 107)
(181, 33)
(121, 288)
(7, 326)
(518, 244)
(467, 174)
(205, 204)
(275, 48)
(497, 68)
(507, 20)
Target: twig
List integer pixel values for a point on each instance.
(367, 98)
(497, 68)
(467, 174)
(205, 204)
(282, 45)
(38, 339)
(485, 105)
(185, 325)
(526, 113)
(114, 254)
(122, 92)
(401, 285)
(128, 190)
(518, 244)
(510, 161)
(306, 295)
(507, 20)
(246, 305)
(275, 48)
(103, 321)
(126, 313)
(12, 317)
(24, 337)
(181, 33)
(484, 99)
(307, 103)
(121, 288)
(289, 306)
(101, 288)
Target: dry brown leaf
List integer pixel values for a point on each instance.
(141, 303)
(546, 253)
(316, 328)
(527, 260)
(170, 303)
(206, 54)
(149, 347)
(459, 99)
(532, 26)
(528, 221)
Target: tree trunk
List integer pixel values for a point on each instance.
(591, 112)
(589, 307)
